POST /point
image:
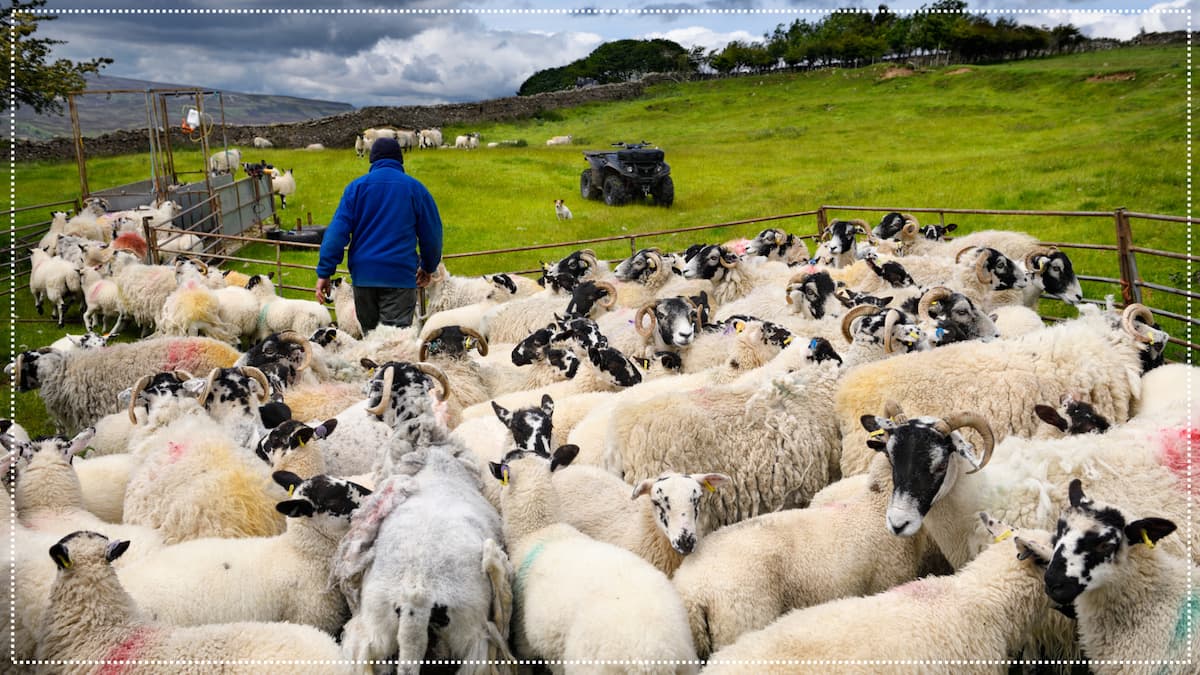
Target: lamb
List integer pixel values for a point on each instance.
(283, 186)
(92, 618)
(194, 308)
(278, 314)
(142, 289)
(102, 297)
(970, 622)
(237, 310)
(467, 142)
(566, 608)
(88, 340)
(343, 305)
(430, 138)
(1098, 355)
(225, 161)
(1131, 600)
(727, 598)
(79, 387)
(223, 580)
(260, 142)
(55, 279)
(560, 140)
(360, 146)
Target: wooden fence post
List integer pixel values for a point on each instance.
(1130, 293)
(151, 239)
(822, 222)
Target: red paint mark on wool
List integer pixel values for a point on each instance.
(1181, 449)
(175, 450)
(739, 246)
(182, 354)
(127, 650)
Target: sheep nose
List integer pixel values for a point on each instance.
(898, 528)
(685, 543)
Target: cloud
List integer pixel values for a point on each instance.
(1161, 17)
(702, 36)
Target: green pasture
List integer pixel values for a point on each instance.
(1086, 132)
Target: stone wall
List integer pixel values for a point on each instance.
(339, 131)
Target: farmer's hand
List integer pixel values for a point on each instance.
(423, 278)
(322, 290)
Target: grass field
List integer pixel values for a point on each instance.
(1092, 131)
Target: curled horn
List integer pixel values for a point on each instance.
(481, 344)
(590, 256)
(637, 320)
(1038, 251)
(433, 335)
(854, 313)
(611, 299)
(827, 233)
(910, 230)
(929, 297)
(212, 375)
(199, 264)
(958, 256)
(1137, 311)
(438, 375)
(893, 411)
(981, 272)
(974, 421)
(295, 338)
(889, 324)
(385, 395)
(724, 264)
(655, 256)
(699, 323)
(257, 375)
(860, 226)
(133, 394)
(182, 375)
(796, 279)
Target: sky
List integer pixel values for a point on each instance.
(440, 51)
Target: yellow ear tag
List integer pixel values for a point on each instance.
(371, 372)
(1146, 539)
(709, 486)
(739, 326)
(935, 303)
(504, 475)
(877, 432)
(65, 562)
(467, 343)
(787, 341)
(291, 489)
(912, 334)
(1002, 536)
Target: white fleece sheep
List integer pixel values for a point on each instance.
(237, 309)
(344, 307)
(101, 296)
(963, 623)
(573, 594)
(92, 618)
(54, 279)
(143, 289)
(225, 161)
(193, 308)
(285, 185)
(277, 314)
(430, 138)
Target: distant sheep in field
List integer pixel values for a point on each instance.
(260, 142)
(430, 138)
(560, 140)
(225, 161)
(467, 142)
(314, 146)
(284, 185)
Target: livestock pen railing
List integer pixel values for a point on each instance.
(1161, 279)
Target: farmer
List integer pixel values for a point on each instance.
(385, 216)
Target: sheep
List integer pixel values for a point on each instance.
(284, 185)
(177, 243)
(727, 598)
(194, 308)
(775, 244)
(312, 147)
(142, 289)
(79, 387)
(731, 278)
(1016, 320)
(992, 281)
(674, 323)
(839, 248)
(560, 140)
(342, 296)
(566, 607)
(13, 430)
(446, 291)
(360, 146)
(421, 558)
(58, 222)
(278, 314)
(969, 622)
(1073, 416)
(102, 297)
(430, 138)
(224, 161)
(92, 618)
(467, 142)
(88, 340)
(260, 142)
(407, 138)
(1098, 354)
(1131, 600)
(237, 310)
(955, 318)
(222, 580)
(55, 279)
(1050, 269)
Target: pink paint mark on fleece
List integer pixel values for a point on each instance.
(837, 506)
(919, 590)
(739, 246)
(175, 451)
(182, 354)
(117, 660)
(1181, 448)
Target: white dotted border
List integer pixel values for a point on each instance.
(12, 332)
(575, 12)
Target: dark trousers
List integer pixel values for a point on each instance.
(389, 306)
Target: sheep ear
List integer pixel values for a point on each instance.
(60, 556)
(1050, 416)
(368, 364)
(1037, 550)
(296, 508)
(303, 435)
(497, 470)
(952, 227)
(547, 405)
(80, 442)
(711, 481)
(503, 413)
(1075, 494)
(879, 428)
(287, 480)
(1148, 530)
(325, 428)
(642, 488)
(115, 549)
(563, 456)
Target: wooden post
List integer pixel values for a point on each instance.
(632, 245)
(78, 139)
(278, 264)
(1130, 293)
(822, 221)
(151, 239)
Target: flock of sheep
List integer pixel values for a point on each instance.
(745, 456)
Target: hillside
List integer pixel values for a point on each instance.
(100, 114)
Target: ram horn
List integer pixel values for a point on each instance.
(611, 299)
(133, 395)
(433, 335)
(637, 320)
(212, 376)
(183, 375)
(1038, 251)
(481, 344)
(655, 258)
(295, 338)
(385, 395)
(826, 234)
(893, 411)
(889, 326)
(929, 297)
(438, 375)
(590, 256)
(958, 256)
(199, 264)
(1137, 311)
(854, 313)
(910, 230)
(727, 265)
(976, 422)
(860, 226)
(798, 278)
(258, 376)
(699, 322)
(981, 272)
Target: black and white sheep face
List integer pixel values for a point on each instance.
(937, 232)
(277, 357)
(579, 334)
(1055, 275)
(842, 234)
(585, 297)
(771, 243)
(709, 262)
(638, 267)
(1091, 543)
(1002, 271)
(505, 287)
(410, 396)
(1073, 416)
(26, 368)
(323, 336)
(892, 272)
(813, 297)
(675, 498)
(614, 366)
(233, 391)
(889, 226)
(86, 549)
(676, 321)
(319, 495)
(260, 283)
(531, 428)
(44, 450)
(563, 361)
(533, 347)
(923, 466)
(571, 269)
(290, 435)
(821, 350)
(163, 386)
(958, 319)
(451, 343)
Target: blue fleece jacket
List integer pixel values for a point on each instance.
(383, 215)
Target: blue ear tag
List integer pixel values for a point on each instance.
(812, 344)
(940, 333)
